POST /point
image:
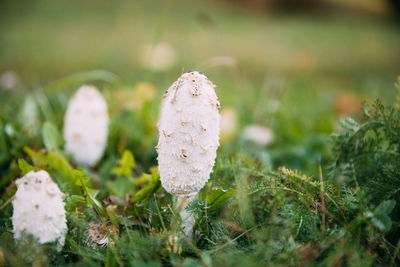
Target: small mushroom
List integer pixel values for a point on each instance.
(39, 212)
(86, 131)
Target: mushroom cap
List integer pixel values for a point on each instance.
(86, 126)
(38, 208)
(189, 127)
(258, 134)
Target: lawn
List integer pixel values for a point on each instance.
(321, 191)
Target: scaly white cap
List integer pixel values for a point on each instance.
(86, 126)
(189, 127)
(39, 209)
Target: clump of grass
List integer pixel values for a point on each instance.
(250, 213)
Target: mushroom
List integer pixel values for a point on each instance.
(38, 209)
(258, 134)
(86, 126)
(189, 122)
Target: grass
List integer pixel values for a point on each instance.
(315, 68)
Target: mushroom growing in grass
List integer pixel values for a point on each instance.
(86, 126)
(188, 139)
(39, 209)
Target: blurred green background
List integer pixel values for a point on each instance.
(292, 66)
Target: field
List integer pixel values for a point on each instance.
(322, 190)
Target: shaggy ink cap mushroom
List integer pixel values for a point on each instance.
(86, 126)
(188, 128)
(38, 209)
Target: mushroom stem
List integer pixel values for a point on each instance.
(187, 217)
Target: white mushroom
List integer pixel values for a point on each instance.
(189, 127)
(39, 209)
(86, 126)
(160, 57)
(259, 135)
(9, 80)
